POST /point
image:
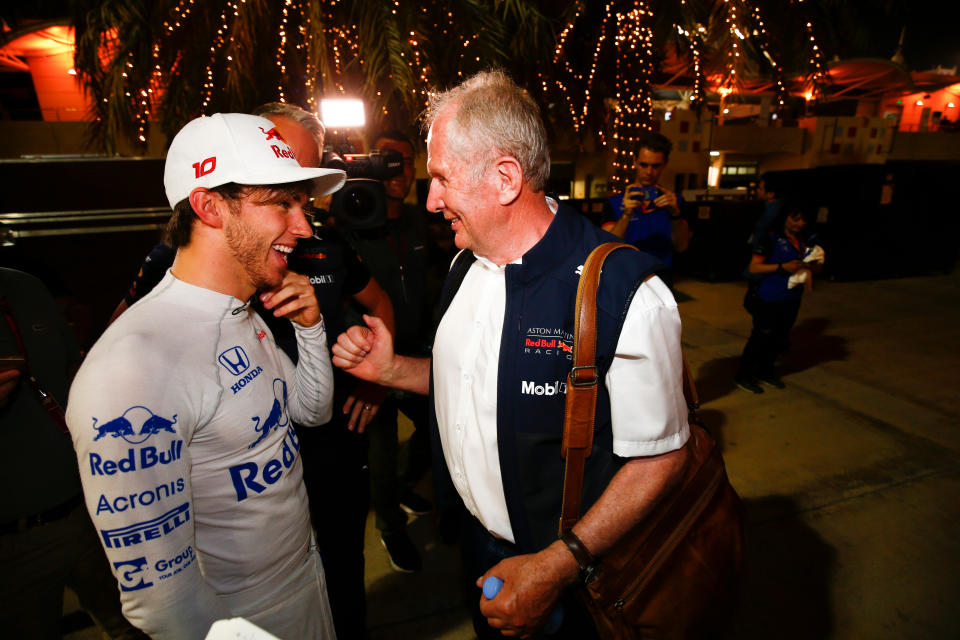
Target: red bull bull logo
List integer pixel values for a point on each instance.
(272, 134)
(136, 425)
(280, 152)
(276, 418)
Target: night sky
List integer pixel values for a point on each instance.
(871, 28)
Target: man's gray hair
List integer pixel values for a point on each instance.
(493, 117)
(304, 118)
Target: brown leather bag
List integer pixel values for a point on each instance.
(674, 574)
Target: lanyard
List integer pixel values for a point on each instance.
(47, 401)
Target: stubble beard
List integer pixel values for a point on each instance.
(244, 246)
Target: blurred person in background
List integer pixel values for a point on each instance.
(773, 301)
(47, 541)
(647, 214)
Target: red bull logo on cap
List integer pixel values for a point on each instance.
(280, 152)
(273, 134)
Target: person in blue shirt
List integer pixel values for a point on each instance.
(773, 304)
(647, 215)
(771, 194)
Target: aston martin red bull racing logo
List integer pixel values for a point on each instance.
(548, 342)
(553, 343)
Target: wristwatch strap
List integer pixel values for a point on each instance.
(587, 564)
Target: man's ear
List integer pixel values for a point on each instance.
(205, 204)
(509, 179)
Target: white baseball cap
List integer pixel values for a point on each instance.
(236, 147)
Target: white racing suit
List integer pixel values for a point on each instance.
(181, 420)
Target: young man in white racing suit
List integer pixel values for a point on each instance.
(181, 414)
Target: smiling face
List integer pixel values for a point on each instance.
(468, 204)
(261, 229)
(266, 221)
(794, 223)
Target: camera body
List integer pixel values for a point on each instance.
(362, 202)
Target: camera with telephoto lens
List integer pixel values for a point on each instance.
(362, 202)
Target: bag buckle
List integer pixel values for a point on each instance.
(590, 573)
(577, 382)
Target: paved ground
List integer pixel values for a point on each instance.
(850, 475)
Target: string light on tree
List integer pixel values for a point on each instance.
(760, 31)
(694, 41)
(218, 42)
(390, 53)
(634, 75)
(818, 78)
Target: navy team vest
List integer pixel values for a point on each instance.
(535, 357)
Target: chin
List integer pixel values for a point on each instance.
(266, 283)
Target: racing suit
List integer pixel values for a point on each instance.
(181, 420)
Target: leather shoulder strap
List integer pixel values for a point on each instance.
(582, 384)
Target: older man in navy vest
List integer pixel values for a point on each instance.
(502, 353)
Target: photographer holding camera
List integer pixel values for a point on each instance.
(647, 215)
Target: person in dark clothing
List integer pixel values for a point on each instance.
(772, 301)
(47, 541)
(398, 255)
(771, 193)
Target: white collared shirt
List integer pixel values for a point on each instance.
(648, 410)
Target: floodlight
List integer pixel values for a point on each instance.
(338, 113)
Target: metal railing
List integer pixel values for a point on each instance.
(38, 224)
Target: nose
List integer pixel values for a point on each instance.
(435, 197)
(299, 226)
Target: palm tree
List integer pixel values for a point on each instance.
(610, 56)
(163, 63)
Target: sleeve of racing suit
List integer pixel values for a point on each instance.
(311, 398)
(131, 422)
